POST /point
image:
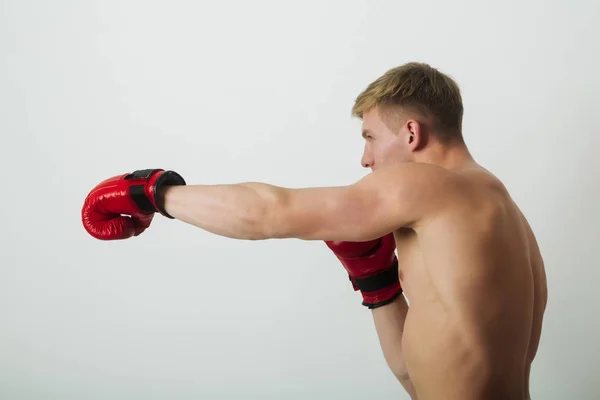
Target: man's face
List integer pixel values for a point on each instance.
(383, 146)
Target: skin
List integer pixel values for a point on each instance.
(469, 263)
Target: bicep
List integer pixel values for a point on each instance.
(332, 213)
(376, 205)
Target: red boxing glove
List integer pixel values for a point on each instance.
(124, 205)
(372, 267)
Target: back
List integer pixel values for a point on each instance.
(540, 298)
(477, 302)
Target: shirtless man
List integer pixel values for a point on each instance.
(467, 261)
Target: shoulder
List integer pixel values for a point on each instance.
(419, 180)
(412, 172)
(414, 192)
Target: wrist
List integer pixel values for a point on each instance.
(165, 199)
(162, 184)
(161, 199)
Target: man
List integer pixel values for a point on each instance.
(467, 260)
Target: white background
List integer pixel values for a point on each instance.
(225, 92)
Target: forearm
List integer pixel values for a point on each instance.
(389, 323)
(238, 211)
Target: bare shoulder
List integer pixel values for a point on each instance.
(414, 172)
(415, 192)
(472, 193)
(414, 179)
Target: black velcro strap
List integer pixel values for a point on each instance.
(382, 280)
(168, 178)
(141, 200)
(141, 174)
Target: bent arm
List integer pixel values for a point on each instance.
(378, 204)
(389, 323)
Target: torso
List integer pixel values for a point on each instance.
(476, 285)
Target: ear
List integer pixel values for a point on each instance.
(416, 137)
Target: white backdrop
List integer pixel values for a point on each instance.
(226, 92)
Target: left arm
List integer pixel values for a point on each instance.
(380, 203)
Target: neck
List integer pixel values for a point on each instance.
(449, 156)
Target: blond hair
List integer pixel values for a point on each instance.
(417, 88)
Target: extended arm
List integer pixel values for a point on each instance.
(380, 203)
(404, 195)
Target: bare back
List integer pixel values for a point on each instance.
(475, 281)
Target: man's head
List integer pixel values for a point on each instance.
(407, 111)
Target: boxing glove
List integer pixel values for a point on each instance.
(372, 267)
(124, 206)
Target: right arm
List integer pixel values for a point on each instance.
(373, 269)
(389, 323)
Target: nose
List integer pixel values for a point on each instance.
(367, 160)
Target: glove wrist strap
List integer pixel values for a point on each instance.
(167, 178)
(382, 280)
(148, 200)
(380, 289)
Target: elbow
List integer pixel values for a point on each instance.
(258, 225)
(277, 220)
(402, 377)
(266, 217)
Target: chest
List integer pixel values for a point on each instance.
(410, 256)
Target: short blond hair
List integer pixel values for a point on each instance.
(417, 88)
